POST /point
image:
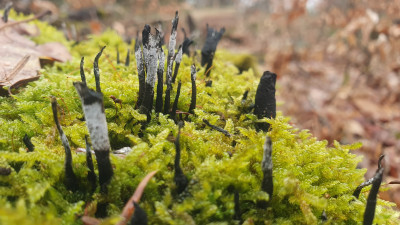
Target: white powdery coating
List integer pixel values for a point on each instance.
(172, 44)
(97, 125)
(178, 57)
(151, 61)
(139, 60)
(266, 163)
(161, 59)
(193, 72)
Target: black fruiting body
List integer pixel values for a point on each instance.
(7, 9)
(358, 190)
(127, 58)
(175, 105)
(92, 104)
(369, 213)
(265, 102)
(160, 75)
(178, 59)
(237, 215)
(266, 166)
(139, 216)
(82, 71)
(193, 78)
(28, 143)
(96, 69)
(117, 55)
(208, 50)
(186, 43)
(5, 171)
(141, 73)
(180, 179)
(70, 179)
(217, 128)
(170, 60)
(151, 64)
(91, 176)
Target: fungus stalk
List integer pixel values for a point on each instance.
(92, 104)
(186, 43)
(266, 166)
(28, 143)
(193, 78)
(209, 48)
(180, 179)
(217, 128)
(369, 213)
(151, 57)
(96, 70)
(175, 105)
(70, 179)
(160, 74)
(127, 58)
(178, 59)
(117, 54)
(358, 190)
(91, 176)
(265, 102)
(141, 73)
(82, 70)
(170, 60)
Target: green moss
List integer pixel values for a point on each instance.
(309, 176)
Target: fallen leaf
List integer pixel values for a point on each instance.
(19, 56)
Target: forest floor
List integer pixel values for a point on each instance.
(338, 68)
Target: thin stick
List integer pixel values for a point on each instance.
(38, 16)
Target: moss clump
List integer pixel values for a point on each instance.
(309, 176)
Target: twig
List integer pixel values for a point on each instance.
(38, 16)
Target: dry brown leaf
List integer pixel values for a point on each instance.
(19, 56)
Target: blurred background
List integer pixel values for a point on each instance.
(338, 62)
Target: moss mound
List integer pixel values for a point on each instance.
(310, 178)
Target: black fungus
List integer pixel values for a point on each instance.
(96, 69)
(210, 45)
(91, 176)
(265, 102)
(127, 58)
(82, 71)
(194, 91)
(141, 71)
(266, 166)
(28, 143)
(70, 179)
(175, 105)
(369, 213)
(7, 9)
(160, 75)
(117, 55)
(358, 190)
(186, 43)
(217, 128)
(139, 216)
(178, 59)
(93, 108)
(5, 171)
(180, 179)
